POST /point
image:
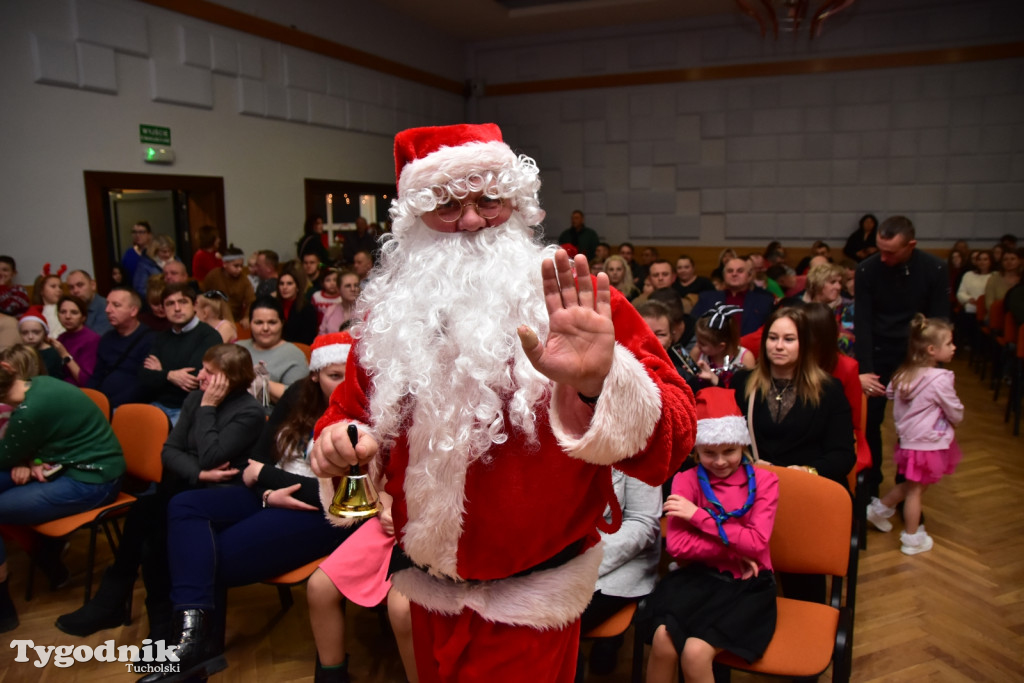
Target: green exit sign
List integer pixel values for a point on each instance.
(155, 134)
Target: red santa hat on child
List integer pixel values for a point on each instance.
(34, 314)
(719, 420)
(329, 349)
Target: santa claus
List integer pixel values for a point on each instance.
(493, 388)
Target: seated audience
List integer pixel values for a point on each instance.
(362, 264)
(668, 324)
(739, 291)
(212, 308)
(35, 333)
(344, 310)
(219, 538)
(972, 288)
(620, 276)
(175, 274)
(723, 256)
(267, 263)
(629, 568)
(800, 414)
(151, 262)
(77, 345)
(278, 363)
(861, 242)
(154, 316)
(364, 239)
(315, 271)
(688, 284)
(13, 297)
(1005, 277)
(58, 457)
(720, 517)
(142, 235)
(206, 259)
(327, 295)
(81, 284)
(313, 240)
(230, 279)
(46, 292)
(718, 352)
(169, 371)
(801, 417)
(300, 322)
(819, 248)
(208, 447)
(118, 276)
(122, 351)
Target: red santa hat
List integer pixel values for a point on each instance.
(719, 420)
(329, 349)
(34, 314)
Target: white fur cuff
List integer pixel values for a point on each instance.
(624, 418)
(548, 599)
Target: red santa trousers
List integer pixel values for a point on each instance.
(466, 648)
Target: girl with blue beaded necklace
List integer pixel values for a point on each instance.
(720, 519)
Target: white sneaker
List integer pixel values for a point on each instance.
(918, 542)
(879, 514)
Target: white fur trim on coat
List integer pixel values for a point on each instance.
(328, 489)
(548, 599)
(720, 430)
(450, 163)
(624, 418)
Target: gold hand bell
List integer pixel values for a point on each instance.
(355, 497)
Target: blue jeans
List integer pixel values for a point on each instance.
(38, 502)
(223, 536)
(172, 413)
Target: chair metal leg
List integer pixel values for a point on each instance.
(90, 561)
(636, 675)
(284, 593)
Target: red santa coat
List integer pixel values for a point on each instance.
(477, 528)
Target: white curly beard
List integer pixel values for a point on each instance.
(439, 339)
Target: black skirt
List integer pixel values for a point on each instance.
(733, 614)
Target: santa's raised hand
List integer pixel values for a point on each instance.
(581, 338)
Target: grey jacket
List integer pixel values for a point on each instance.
(630, 565)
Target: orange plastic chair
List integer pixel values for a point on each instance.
(306, 349)
(100, 399)
(141, 430)
(297, 576)
(242, 331)
(812, 535)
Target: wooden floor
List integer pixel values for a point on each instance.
(953, 614)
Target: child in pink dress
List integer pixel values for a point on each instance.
(926, 408)
(720, 519)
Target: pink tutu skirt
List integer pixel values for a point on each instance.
(927, 467)
(359, 566)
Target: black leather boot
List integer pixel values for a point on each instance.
(107, 609)
(332, 675)
(199, 655)
(8, 613)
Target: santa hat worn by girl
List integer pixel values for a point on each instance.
(34, 314)
(719, 420)
(329, 349)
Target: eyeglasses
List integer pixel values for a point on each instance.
(486, 207)
(215, 294)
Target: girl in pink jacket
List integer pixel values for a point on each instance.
(925, 410)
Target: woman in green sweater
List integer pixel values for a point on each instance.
(58, 457)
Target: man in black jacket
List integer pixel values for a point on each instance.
(891, 287)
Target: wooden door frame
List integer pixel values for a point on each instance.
(99, 183)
